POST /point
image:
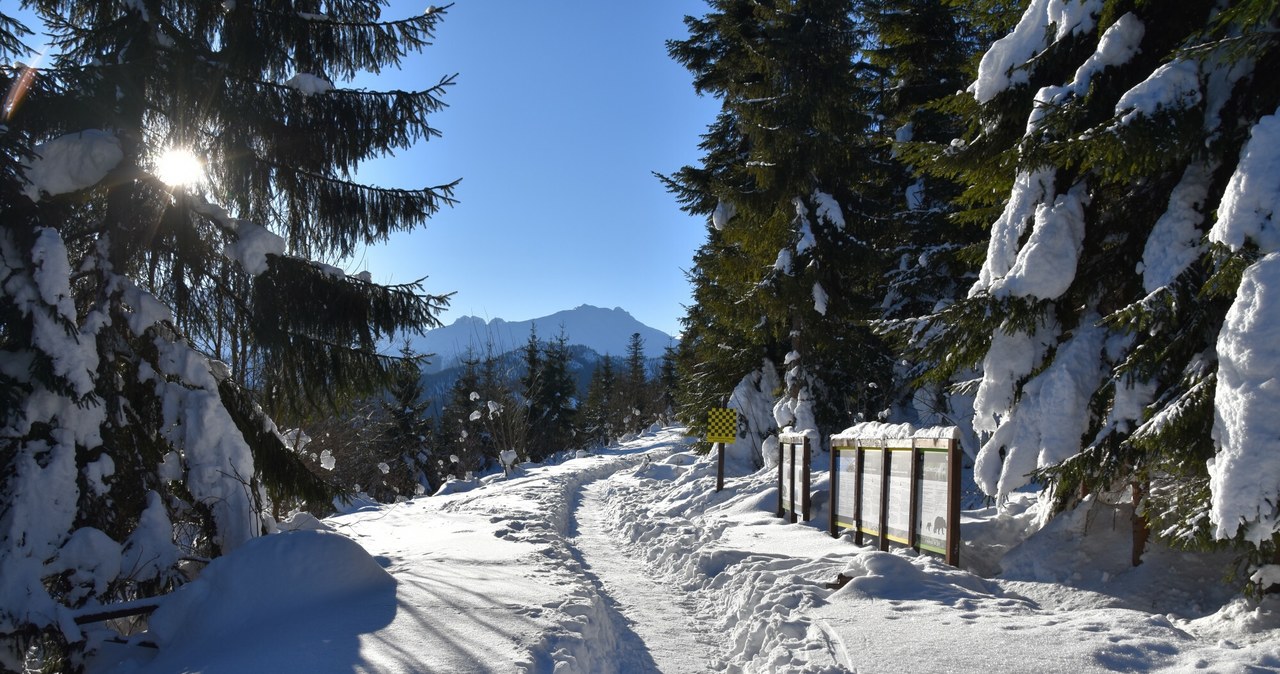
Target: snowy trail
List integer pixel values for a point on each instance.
(660, 616)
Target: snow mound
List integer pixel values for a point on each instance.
(303, 521)
(258, 585)
(884, 575)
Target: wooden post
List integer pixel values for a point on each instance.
(886, 461)
(857, 482)
(913, 507)
(781, 448)
(792, 478)
(953, 503)
(806, 495)
(719, 466)
(833, 479)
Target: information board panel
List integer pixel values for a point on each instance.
(934, 516)
(904, 490)
(898, 521)
(869, 499)
(846, 460)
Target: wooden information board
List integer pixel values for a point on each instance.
(900, 490)
(794, 460)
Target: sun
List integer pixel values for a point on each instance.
(179, 167)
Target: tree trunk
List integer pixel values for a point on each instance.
(1141, 532)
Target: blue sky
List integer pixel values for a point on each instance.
(561, 111)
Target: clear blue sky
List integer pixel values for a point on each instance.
(561, 111)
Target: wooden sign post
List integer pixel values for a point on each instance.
(722, 427)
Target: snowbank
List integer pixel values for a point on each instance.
(313, 590)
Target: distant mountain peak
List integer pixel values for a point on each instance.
(605, 331)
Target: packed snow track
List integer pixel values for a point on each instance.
(659, 616)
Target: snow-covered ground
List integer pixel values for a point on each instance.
(628, 561)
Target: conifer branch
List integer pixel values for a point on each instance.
(336, 215)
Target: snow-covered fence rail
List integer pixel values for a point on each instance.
(904, 490)
(794, 460)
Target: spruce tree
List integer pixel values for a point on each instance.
(502, 412)
(405, 461)
(668, 384)
(532, 353)
(636, 397)
(132, 306)
(557, 401)
(1116, 152)
(550, 390)
(920, 51)
(788, 181)
(599, 422)
(460, 439)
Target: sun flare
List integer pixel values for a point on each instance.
(179, 167)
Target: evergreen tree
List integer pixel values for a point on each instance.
(599, 413)
(503, 414)
(112, 278)
(920, 51)
(636, 398)
(532, 352)
(405, 461)
(1114, 153)
(668, 384)
(377, 446)
(460, 438)
(343, 449)
(789, 180)
(553, 409)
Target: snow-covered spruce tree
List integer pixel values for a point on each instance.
(1122, 318)
(460, 438)
(405, 441)
(920, 50)
(787, 273)
(126, 445)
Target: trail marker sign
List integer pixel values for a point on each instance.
(722, 425)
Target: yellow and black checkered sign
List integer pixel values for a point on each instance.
(722, 425)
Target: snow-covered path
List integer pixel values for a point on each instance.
(628, 561)
(660, 616)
